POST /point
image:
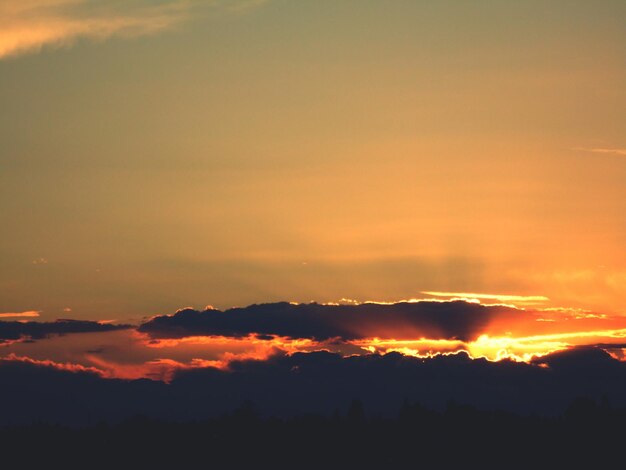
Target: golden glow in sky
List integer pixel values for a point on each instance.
(159, 154)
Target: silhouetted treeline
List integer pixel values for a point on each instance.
(588, 433)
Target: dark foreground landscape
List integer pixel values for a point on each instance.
(320, 410)
(587, 434)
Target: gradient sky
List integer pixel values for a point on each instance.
(155, 155)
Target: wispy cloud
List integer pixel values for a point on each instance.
(27, 314)
(604, 150)
(523, 299)
(27, 26)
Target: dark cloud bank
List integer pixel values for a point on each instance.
(442, 320)
(15, 330)
(320, 382)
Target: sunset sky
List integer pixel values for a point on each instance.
(157, 155)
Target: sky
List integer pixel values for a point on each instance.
(211, 154)
(296, 203)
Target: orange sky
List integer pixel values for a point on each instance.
(228, 153)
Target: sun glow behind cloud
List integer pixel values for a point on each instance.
(519, 335)
(163, 359)
(522, 349)
(517, 300)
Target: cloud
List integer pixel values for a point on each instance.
(126, 354)
(418, 328)
(26, 314)
(434, 320)
(469, 296)
(27, 26)
(191, 339)
(17, 330)
(64, 366)
(318, 382)
(605, 150)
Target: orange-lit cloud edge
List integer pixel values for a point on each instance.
(25, 314)
(29, 26)
(539, 331)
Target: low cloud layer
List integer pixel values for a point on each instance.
(436, 320)
(316, 382)
(190, 339)
(18, 330)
